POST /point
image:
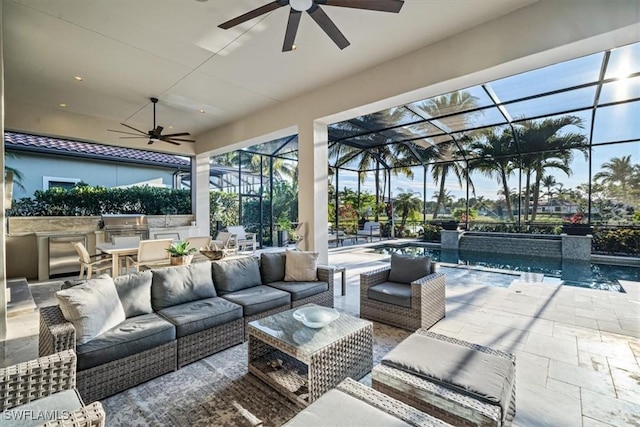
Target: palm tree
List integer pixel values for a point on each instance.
(544, 147)
(618, 170)
(458, 101)
(406, 203)
(549, 182)
(18, 178)
(495, 152)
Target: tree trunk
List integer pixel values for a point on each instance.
(507, 194)
(440, 200)
(527, 193)
(377, 178)
(536, 192)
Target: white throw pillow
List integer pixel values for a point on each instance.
(301, 266)
(93, 307)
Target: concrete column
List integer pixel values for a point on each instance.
(450, 239)
(313, 186)
(576, 247)
(200, 193)
(3, 239)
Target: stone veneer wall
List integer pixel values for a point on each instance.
(514, 244)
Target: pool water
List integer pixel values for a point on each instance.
(573, 273)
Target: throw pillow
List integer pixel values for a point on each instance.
(407, 268)
(134, 291)
(92, 307)
(235, 274)
(301, 266)
(272, 267)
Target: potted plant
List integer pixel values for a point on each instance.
(575, 227)
(181, 253)
(284, 228)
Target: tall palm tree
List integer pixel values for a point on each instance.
(495, 153)
(618, 170)
(549, 182)
(458, 101)
(545, 147)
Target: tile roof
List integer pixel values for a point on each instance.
(46, 144)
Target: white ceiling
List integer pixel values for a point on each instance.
(128, 51)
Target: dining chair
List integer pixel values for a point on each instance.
(125, 240)
(243, 240)
(151, 253)
(199, 242)
(225, 241)
(91, 263)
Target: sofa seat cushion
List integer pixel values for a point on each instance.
(336, 408)
(196, 316)
(132, 336)
(258, 299)
(391, 293)
(38, 412)
(177, 285)
(300, 290)
(484, 376)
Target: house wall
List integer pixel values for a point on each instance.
(34, 167)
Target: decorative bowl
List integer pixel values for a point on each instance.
(315, 317)
(213, 254)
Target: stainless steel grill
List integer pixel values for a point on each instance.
(125, 225)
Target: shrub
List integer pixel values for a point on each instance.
(431, 233)
(616, 241)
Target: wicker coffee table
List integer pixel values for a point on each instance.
(303, 363)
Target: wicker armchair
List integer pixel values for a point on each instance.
(27, 391)
(427, 301)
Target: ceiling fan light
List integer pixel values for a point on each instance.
(301, 5)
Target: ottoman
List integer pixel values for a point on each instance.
(461, 383)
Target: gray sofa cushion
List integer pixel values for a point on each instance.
(299, 290)
(132, 336)
(134, 291)
(336, 408)
(484, 376)
(177, 285)
(196, 316)
(391, 293)
(272, 266)
(258, 299)
(235, 274)
(44, 409)
(407, 268)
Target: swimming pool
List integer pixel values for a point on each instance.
(573, 273)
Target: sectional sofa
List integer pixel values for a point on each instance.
(172, 316)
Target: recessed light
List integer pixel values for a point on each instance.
(63, 105)
(201, 111)
(294, 47)
(78, 78)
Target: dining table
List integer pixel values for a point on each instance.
(117, 251)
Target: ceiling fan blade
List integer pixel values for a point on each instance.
(253, 14)
(120, 131)
(133, 137)
(177, 134)
(172, 142)
(158, 130)
(292, 30)
(131, 127)
(181, 139)
(328, 26)
(393, 6)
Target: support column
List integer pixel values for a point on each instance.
(3, 239)
(313, 186)
(450, 239)
(576, 247)
(200, 206)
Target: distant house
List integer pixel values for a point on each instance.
(555, 206)
(47, 162)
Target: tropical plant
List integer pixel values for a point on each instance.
(406, 203)
(617, 171)
(181, 248)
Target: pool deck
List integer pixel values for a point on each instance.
(577, 350)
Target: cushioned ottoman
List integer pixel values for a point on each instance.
(456, 381)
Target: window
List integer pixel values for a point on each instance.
(57, 182)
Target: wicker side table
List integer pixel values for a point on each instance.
(304, 363)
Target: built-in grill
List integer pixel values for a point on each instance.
(125, 225)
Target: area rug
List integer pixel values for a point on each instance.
(218, 391)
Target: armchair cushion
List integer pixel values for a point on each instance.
(134, 291)
(301, 266)
(272, 267)
(391, 293)
(177, 285)
(299, 290)
(236, 274)
(196, 316)
(407, 268)
(132, 336)
(92, 307)
(48, 408)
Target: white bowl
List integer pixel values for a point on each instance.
(315, 317)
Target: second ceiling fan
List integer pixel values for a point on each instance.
(155, 134)
(312, 7)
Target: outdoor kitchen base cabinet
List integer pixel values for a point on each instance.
(63, 258)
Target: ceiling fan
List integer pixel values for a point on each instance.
(154, 134)
(312, 7)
